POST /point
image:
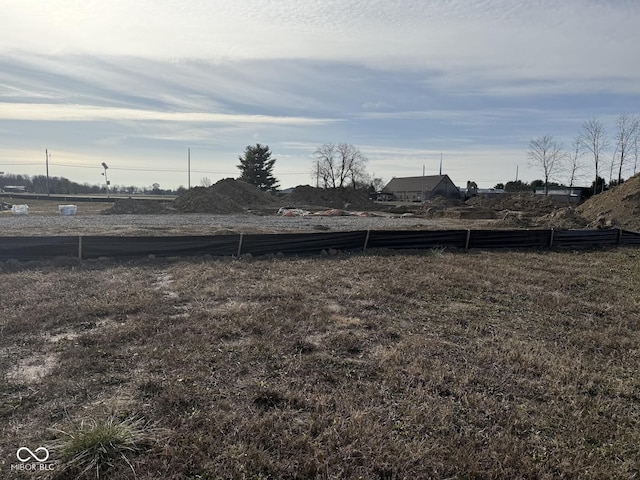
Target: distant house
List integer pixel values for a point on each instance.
(417, 189)
(564, 194)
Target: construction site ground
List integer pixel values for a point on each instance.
(231, 206)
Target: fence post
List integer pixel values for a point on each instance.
(240, 245)
(619, 239)
(366, 241)
(551, 238)
(466, 243)
(80, 247)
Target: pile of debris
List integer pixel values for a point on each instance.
(5, 206)
(518, 202)
(563, 218)
(123, 206)
(618, 207)
(226, 196)
(331, 198)
(332, 212)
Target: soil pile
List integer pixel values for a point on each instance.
(520, 202)
(226, 196)
(331, 198)
(138, 207)
(619, 206)
(564, 218)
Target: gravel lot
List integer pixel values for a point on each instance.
(200, 224)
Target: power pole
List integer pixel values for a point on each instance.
(46, 154)
(189, 167)
(422, 187)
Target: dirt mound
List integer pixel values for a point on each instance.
(520, 202)
(226, 196)
(619, 206)
(443, 202)
(138, 207)
(331, 198)
(563, 218)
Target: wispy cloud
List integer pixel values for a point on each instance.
(402, 79)
(68, 113)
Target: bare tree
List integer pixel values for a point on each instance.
(574, 164)
(338, 166)
(545, 153)
(205, 182)
(594, 139)
(325, 165)
(626, 134)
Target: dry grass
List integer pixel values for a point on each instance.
(439, 365)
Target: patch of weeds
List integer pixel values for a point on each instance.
(267, 399)
(436, 251)
(92, 448)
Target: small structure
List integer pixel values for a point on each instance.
(418, 189)
(564, 194)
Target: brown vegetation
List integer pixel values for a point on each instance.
(438, 365)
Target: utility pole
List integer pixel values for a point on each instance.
(46, 154)
(189, 167)
(422, 188)
(440, 163)
(106, 181)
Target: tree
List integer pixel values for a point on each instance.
(574, 160)
(544, 152)
(599, 184)
(339, 166)
(205, 182)
(625, 137)
(517, 186)
(594, 139)
(256, 166)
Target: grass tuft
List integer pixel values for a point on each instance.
(93, 447)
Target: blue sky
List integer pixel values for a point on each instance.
(136, 83)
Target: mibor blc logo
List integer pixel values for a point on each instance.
(32, 460)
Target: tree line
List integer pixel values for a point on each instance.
(592, 145)
(63, 186)
(336, 166)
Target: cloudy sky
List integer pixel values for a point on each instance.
(135, 83)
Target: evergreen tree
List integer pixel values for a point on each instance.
(256, 166)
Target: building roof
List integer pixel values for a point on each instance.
(415, 184)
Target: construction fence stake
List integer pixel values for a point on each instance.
(551, 238)
(366, 241)
(240, 245)
(468, 240)
(80, 247)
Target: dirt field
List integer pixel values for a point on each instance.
(438, 365)
(91, 220)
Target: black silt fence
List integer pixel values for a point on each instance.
(87, 247)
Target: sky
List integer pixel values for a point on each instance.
(138, 84)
